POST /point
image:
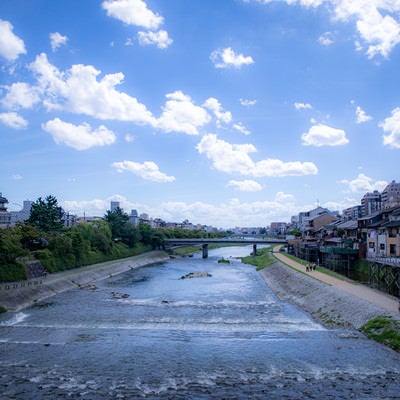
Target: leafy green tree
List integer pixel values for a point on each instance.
(46, 215)
(117, 220)
(146, 233)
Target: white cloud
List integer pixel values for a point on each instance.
(11, 46)
(234, 158)
(57, 40)
(323, 135)
(247, 102)
(376, 21)
(362, 116)
(392, 125)
(377, 28)
(280, 196)
(17, 177)
(79, 137)
(20, 95)
(147, 170)
(129, 138)
(77, 90)
(303, 106)
(246, 185)
(326, 39)
(227, 215)
(13, 120)
(364, 184)
(159, 38)
(214, 105)
(181, 115)
(241, 128)
(226, 58)
(133, 12)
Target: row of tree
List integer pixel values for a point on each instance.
(45, 238)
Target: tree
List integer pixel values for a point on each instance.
(46, 215)
(118, 220)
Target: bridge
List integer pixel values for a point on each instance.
(204, 242)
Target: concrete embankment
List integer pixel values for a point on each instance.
(328, 304)
(15, 299)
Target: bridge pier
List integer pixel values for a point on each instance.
(254, 249)
(205, 250)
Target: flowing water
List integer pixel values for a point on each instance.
(149, 334)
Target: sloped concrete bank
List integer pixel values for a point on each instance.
(329, 305)
(22, 297)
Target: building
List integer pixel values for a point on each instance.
(134, 218)
(22, 215)
(391, 195)
(5, 218)
(114, 205)
(277, 228)
(352, 213)
(371, 203)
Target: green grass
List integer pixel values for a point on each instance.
(383, 329)
(263, 259)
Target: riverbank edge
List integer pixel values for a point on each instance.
(329, 305)
(17, 299)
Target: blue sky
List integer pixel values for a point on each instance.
(227, 113)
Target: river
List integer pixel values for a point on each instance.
(147, 334)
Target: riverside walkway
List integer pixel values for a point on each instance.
(383, 300)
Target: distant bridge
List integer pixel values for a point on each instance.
(204, 242)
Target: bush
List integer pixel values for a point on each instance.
(12, 272)
(48, 260)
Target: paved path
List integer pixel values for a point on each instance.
(387, 302)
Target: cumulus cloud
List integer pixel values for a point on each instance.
(77, 90)
(392, 126)
(227, 58)
(214, 105)
(57, 40)
(20, 95)
(227, 214)
(13, 120)
(11, 46)
(79, 137)
(376, 21)
(234, 158)
(364, 184)
(133, 12)
(180, 114)
(303, 106)
(362, 116)
(246, 185)
(147, 170)
(323, 135)
(159, 38)
(281, 196)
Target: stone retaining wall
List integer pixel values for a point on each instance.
(18, 297)
(329, 305)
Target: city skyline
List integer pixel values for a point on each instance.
(235, 113)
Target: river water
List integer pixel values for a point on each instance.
(147, 334)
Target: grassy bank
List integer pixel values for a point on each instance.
(385, 330)
(263, 258)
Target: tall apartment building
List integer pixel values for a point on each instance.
(352, 213)
(370, 203)
(391, 195)
(114, 205)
